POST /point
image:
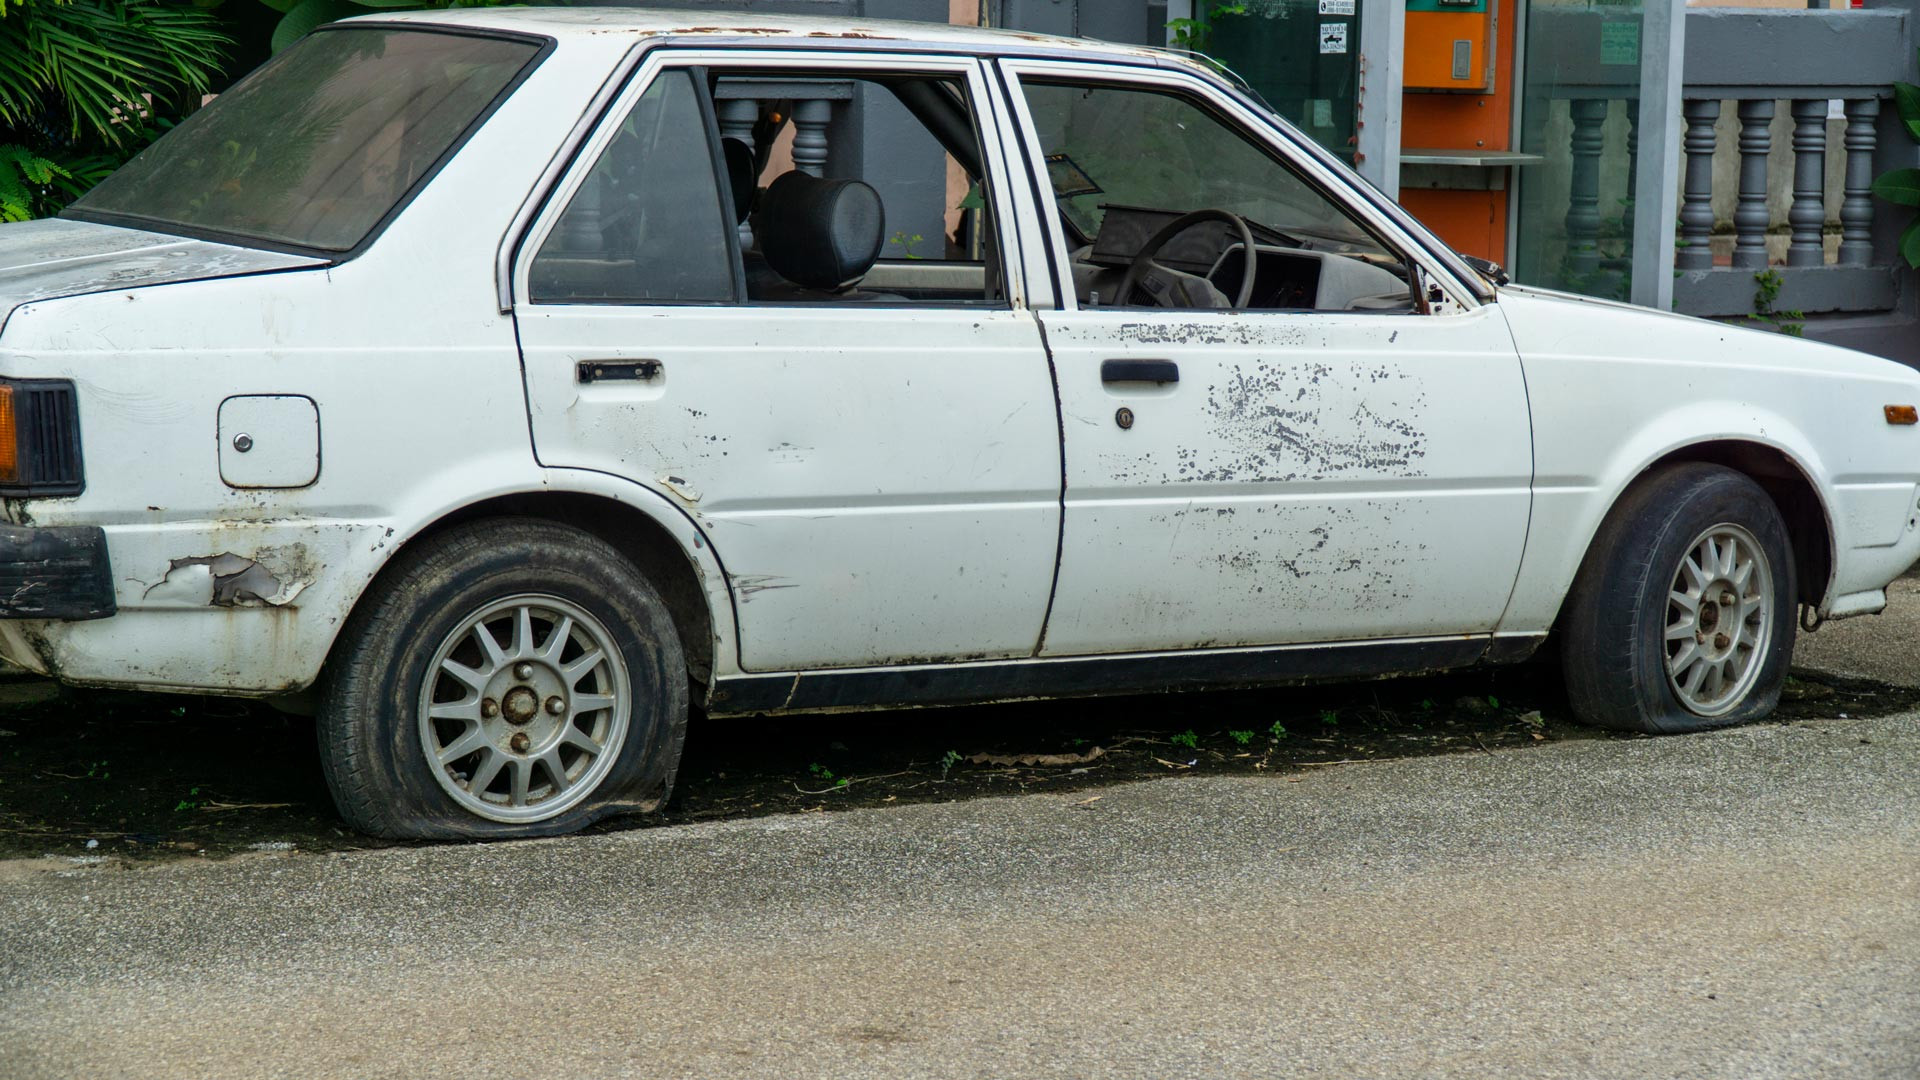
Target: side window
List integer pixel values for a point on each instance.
(647, 225)
(1126, 162)
(858, 187)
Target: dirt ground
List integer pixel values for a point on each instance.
(87, 776)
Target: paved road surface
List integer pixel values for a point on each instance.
(1743, 904)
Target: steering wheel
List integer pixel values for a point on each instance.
(1144, 260)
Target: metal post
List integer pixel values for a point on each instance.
(1383, 36)
(1656, 189)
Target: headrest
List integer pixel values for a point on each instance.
(740, 176)
(821, 234)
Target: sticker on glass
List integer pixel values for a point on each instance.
(1336, 7)
(1333, 38)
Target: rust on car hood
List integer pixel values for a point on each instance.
(55, 257)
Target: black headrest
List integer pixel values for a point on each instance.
(823, 234)
(740, 176)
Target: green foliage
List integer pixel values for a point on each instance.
(1241, 737)
(86, 84)
(1187, 738)
(948, 761)
(1192, 35)
(24, 176)
(1768, 291)
(1278, 730)
(1902, 186)
(1330, 717)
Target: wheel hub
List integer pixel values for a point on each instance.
(1719, 620)
(523, 706)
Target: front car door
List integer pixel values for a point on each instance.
(1347, 456)
(878, 469)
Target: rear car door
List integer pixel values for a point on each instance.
(1346, 457)
(878, 472)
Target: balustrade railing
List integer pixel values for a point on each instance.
(1770, 96)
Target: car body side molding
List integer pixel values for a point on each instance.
(1104, 676)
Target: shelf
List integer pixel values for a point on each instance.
(1485, 159)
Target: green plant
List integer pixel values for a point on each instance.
(86, 84)
(1278, 730)
(948, 761)
(1241, 737)
(1193, 35)
(1902, 186)
(1330, 717)
(1187, 739)
(906, 242)
(188, 803)
(1765, 294)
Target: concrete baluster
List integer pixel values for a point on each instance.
(1809, 212)
(1856, 213)
(737, 117)
(1583, 193)
(810, 119)
(1750, 217)
(1696, 207)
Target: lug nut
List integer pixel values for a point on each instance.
(523, 671)
(489, 708)
(555, 705)
(519, 742)
(1721, 641)
(1727, 599)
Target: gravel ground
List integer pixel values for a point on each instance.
(1739, 904)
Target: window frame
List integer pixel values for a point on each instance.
(705, 62)
(1259, 130)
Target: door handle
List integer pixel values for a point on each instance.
(1153, 371)
(592, 371)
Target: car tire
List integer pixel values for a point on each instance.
(578, 711)
(1650, 641)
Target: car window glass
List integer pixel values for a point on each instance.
(647, 224)
(321, 143)
(859, 187)
(1125, 162)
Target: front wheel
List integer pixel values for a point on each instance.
(1682, 616)
(506, 678)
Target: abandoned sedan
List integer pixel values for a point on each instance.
(506, 386)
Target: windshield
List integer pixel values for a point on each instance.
(1111, 146)
(319, 145)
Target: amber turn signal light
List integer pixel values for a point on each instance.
(1902, 414)
(39, 438)
(9, 438)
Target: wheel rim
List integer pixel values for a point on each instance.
(524, 708)
(1719, 620)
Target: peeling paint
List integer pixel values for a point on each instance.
(225, 580)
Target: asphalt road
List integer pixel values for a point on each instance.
(1741, 904)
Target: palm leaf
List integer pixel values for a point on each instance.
(308, 14)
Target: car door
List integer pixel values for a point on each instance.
(880, 477)
(1348, 458)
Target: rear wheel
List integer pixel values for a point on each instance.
(506, 678)
(1682, 616)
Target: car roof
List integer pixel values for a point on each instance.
(733, 27)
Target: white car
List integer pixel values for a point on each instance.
(509, 385)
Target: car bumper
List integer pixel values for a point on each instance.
(55, 573)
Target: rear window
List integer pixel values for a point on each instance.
(322, 143)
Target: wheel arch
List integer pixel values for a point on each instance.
(673, 554)
(1788, 483)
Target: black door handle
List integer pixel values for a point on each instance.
(1153, 371)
